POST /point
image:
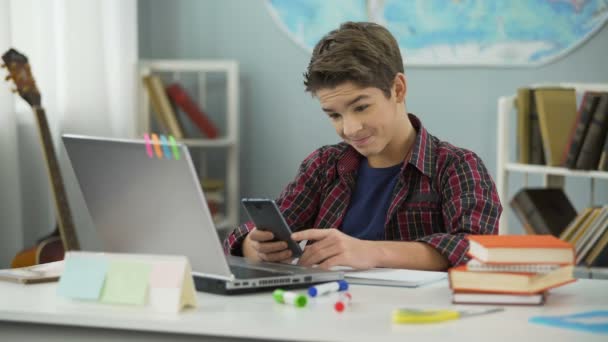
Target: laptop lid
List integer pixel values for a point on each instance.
(143, 204)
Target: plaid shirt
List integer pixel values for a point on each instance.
(443, 194)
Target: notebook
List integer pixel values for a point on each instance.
(394, 277)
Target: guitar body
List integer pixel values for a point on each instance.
(51, 247)
(48, 250)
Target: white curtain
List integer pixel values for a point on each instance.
(83, 55)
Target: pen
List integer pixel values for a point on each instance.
(321, 289)
(287, 297)
(343, 301)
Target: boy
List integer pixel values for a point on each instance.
(391, 194)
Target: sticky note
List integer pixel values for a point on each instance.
(174, 147)
(165, 145)
(167, 274)
(126, 283)
(148, 145)
(83, 277)
(157, 148)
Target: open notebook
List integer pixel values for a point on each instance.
(393, 277)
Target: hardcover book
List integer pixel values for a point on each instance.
(591, 150)
(520, 249)
(181, 98)
(556, 116)
(543, 210)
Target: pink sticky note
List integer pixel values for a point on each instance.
(167, 274)
(148, 145)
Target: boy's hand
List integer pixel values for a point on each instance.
(258, 246)
(334, 248)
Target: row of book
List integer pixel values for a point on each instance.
(512, 269)
(549, 211)
(560, 127)
(166, 101)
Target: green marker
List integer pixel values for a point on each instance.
(286, 297)
(174, 147)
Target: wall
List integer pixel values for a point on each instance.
(281, 124)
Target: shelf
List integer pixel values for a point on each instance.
(551, 170)
(221, 142)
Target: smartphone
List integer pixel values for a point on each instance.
(266, 216)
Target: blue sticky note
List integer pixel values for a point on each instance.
(165, 144)
(590, 321)
(82, 277)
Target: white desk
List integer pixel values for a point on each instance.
(34, 312)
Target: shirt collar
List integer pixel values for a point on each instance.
(420, 155)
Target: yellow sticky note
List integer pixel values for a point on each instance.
(126, 283)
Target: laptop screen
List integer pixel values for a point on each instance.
(144, 204)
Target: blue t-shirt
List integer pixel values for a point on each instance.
(369, 204)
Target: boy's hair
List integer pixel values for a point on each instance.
(364, 53)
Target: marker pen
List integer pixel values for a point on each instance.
(343, 301)
(287, 297)
(321, 289)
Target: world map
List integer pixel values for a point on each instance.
(455, 32)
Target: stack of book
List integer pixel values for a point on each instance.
(512, 269)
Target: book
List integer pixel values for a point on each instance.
(181, 98)
(523, 125)
(585, 225)
(394, 277)
(475, 265)
(162, 107)
(512, 283)
(556, 116)
(543, 210)
(41, 273)
(579, 129)
(591, 235)
(598, 254)
(518, 249)
(464, 297)
(537, 151)
(591, 149)
(603, 164)
(567, 234)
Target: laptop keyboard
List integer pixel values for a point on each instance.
(249, 273)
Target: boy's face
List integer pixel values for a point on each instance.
(363, 117)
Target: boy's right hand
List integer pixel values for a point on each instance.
(258, 246)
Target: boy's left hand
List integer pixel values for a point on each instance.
(334, 248)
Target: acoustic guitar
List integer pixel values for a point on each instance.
(53, 246)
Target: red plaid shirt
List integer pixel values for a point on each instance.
(443, 194)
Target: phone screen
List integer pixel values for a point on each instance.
(266, 216)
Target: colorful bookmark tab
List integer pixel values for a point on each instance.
(174, 147)
(157, 149)
(148, 145)
(165, 145)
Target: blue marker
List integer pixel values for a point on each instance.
(334, 286)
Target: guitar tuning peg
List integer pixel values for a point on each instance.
(26, 89)
(8, 77)
(2, 65)
(14, 91)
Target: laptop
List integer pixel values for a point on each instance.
(140, 203)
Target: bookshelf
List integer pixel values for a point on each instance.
(227, 142)
(552, 176)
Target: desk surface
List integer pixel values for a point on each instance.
(258, 316)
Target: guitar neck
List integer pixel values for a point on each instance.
(62, 207)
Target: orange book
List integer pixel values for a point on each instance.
(508, 282)
(520, 249)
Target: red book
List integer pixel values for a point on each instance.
(520, 249)
(181, 98)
